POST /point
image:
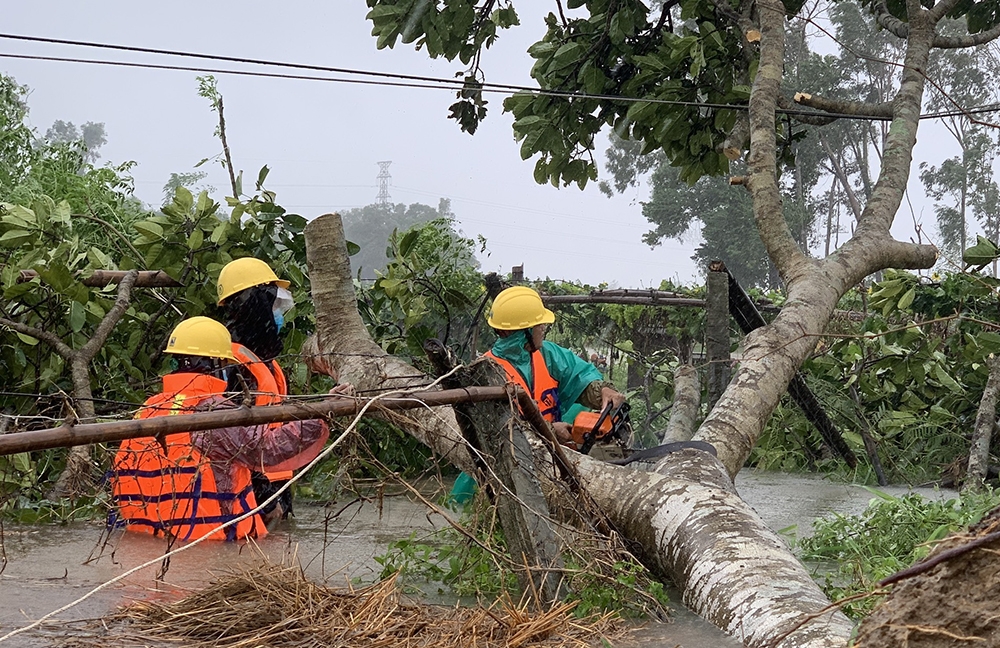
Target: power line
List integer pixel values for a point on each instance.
(400, 80)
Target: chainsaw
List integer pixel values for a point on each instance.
(611, 424)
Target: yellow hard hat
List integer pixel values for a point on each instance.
(246, 273)
(201, 336)
(519, 308)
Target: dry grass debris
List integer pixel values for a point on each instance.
(271, 605)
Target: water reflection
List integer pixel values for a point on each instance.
(49, 567)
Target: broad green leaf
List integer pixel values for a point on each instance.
(907, 298)
(62, 213)
(352, 248)
(14, 238)
(27, 339)
(408, 242)
(149, 229)
(22, 462)
(77, 317)
(219, 233)
(18, 215)
(946, 380)
(196, 239)
(183, 200)
(983, 252)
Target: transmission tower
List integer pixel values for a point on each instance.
(383, 200)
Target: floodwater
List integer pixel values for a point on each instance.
(51, 566)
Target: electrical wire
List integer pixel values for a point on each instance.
(396, 79)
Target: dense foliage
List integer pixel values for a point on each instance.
(852, 553)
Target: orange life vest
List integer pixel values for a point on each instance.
(545, 390)
(170, 487)
(272, 387)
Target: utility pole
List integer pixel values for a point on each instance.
(383, 200)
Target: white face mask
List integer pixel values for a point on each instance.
(283, 301)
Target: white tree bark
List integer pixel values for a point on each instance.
(692, 526)
(733, 570)
(687, 402)
(986, 420)
(349, 350)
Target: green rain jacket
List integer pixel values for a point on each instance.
(571, 372)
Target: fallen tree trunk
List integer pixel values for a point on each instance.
(687, 401)
(690, 523)
(732, 569)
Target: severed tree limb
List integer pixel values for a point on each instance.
(845, 108)
(787, 104)
(986, 420)
(738, 139)
(347, 349)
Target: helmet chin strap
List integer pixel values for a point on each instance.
(531, 339)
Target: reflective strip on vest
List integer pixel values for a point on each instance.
(544, 390)
(169, 487)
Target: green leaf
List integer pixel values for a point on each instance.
(219, 233)
(77, 316)
(14, 238)
(983, 252)
(17, 215)
(196, 239)
(907, 298)
(261, 176)
(149, 229)
(408, 241)
(62, 213)
(21, 462)
(947, 380)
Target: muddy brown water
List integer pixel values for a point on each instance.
(51, 566)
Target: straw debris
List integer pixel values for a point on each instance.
(270, 605)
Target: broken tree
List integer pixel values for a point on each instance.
(691, 525)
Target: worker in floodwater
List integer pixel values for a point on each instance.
(188, 484)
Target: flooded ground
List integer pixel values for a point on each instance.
(49, 567)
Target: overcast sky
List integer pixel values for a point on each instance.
(323, 140)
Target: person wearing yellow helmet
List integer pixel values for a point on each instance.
(255, 301)
(186, 485)
(556, 377)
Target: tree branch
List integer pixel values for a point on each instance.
(845, 108)
(774, 231)
(890, 23)
(897, 158)
(941, 9)
(94, 344)
(813, 119)
(969, 40)
(51, 339)
(841, 175)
